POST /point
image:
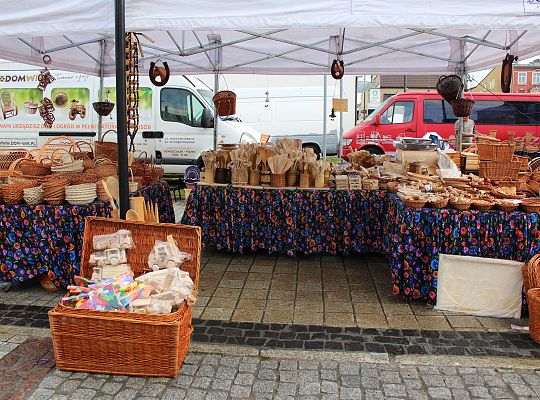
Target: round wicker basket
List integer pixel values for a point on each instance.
(533, 301)
(531, 205)
(460, 205)
(415, 203)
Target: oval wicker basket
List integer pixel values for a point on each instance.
(533, 301)
(531, 205)
(483, 205)
(461, 205)
(34, 168)
(507, 206)
(33, 195)
(12, 193)
(439, 204)
(415, 203)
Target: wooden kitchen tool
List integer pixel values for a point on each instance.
(137, 204)
(132, 215)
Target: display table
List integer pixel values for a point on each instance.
(37, 239)
(296, 221)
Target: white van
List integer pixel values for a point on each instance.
(175, 121)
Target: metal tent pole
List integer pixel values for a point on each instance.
(216, 117)
(101, 79)
(120, 60)
(325, 111)
(340, 121)
(459, 137)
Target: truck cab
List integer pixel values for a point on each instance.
(414, 114)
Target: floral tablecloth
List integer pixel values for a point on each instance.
(44, 238)
(296, 221)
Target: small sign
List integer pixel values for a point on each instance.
(375, 96)
(340, 105)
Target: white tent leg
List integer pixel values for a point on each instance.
(340, 121)
(325, 111)
(101, 82)
(216, 117)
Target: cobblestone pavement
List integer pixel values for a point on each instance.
(290, 375)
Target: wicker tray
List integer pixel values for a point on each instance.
(127, 343)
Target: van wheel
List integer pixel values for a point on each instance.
(315, 148)
(374, 150)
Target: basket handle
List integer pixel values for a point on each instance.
(103, 137)
(13, 165)
(82, 143)
(145, 156)
(60, 149)
(103, 160)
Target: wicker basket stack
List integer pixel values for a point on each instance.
(55, 190)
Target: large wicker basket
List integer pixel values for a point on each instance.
(496, 151)
(127, 343)
(533, 302)
(500, 170)
(106, 149)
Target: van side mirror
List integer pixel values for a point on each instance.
(207, 120)
(377, 119)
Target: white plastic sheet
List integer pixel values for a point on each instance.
(479, 286)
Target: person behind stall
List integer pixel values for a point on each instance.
(469, 130)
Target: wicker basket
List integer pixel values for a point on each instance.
(531, 273)
(533, 301)
(415, 203)
(12, 193)
(531, 205)
(449, 87)
(33, 195)
(225, 103)
(34, 168)
(506, 206)
(439, 204)
(462, 107)
(278, 180)
(461, 205)
(503, 151)
(524, 163)
(499, 170)
(127, 343)
(46, 283)
(107, 150)
(105, 167)
(483, 205)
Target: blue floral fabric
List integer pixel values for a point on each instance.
(44, 238)
(328, 221)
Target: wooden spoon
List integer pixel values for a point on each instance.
(114, 188)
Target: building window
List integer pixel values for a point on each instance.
(536, 78)
(522, 78)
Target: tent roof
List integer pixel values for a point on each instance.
(276, 36)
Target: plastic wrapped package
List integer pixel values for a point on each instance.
(166, 255)
(115, 256)
(101, 272)
(121, 239)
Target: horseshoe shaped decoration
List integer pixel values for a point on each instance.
(338, 69)
(162, 72)
(506, 72)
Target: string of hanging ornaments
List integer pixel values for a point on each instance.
(132, 86)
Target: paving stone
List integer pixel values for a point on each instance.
(183, 381)
(244, 379)
(195, 394)
(391, 389)
(92, 383)
(51, 382)
(216, 396)
(440, 393)
(201, 382)
(42, 394)
(263, 386)
(83, 394)
(111, 387)
(328, 374)
(309, 388)
(287, 388)
(479, 391)
(346, 393)
(240, 392)
(126, 394)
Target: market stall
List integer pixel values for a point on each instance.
(38, 239)
(410, 211)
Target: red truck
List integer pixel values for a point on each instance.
(413, 114)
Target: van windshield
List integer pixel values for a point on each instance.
(377, 110)
(207, 96)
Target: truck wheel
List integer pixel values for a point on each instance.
(315, 148)
(374, 150)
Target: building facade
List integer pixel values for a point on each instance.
(526, 77)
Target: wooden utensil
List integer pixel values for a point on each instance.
(132, 215)
(110, 198)
(114, 188)
(137, 204)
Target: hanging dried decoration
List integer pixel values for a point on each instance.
(132, 87)
(45, 76)
(46, 110)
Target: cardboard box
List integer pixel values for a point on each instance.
(426, 157)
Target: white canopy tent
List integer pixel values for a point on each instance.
(269, 37)
(278, 36)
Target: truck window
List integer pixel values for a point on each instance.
(400, 112)
(438, 112)
(486, 112)
(180, 105)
